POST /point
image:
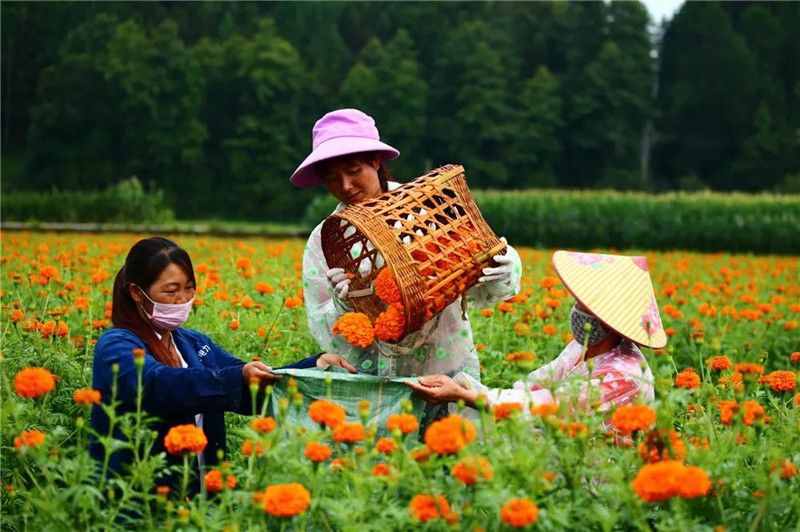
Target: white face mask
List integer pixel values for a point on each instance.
(168, 316)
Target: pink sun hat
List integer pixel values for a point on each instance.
(340, 132)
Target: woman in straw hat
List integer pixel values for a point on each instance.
(348, 158)
(602, 367)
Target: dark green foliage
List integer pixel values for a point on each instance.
(215, 101)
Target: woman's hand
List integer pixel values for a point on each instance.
(502, 273)
(442, 389)
(258, 372)
(327, 360)
(339, 281)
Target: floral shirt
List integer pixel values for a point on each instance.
(619, 376)
(443, 345)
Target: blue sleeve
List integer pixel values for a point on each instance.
(306, 363)
(167, 391)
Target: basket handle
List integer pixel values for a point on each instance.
(491, 252)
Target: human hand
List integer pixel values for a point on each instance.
(327, 360)
(339, 281)
(442, 389)
(501, 273)
(258, 372)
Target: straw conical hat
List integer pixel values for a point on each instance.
(617, 290)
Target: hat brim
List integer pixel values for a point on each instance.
(616, 289)
(306, 175)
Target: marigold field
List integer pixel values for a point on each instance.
(718, 450)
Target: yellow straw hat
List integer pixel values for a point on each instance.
(617, 290)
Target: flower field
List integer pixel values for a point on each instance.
(718, 450)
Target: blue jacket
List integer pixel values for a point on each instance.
(211, 385)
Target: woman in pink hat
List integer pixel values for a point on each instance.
(348, 158)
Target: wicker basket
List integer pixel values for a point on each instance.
(429, 232)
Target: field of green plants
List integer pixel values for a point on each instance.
(719, 449)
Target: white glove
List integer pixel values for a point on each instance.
(339, 281)
(502, 273)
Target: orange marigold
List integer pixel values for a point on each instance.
(521, 356)
(753, 412)
(549, 330)
(29, 438)
(659, 481)
(519, 513)
(33, 382)
(788, 469)
(185, 439)
(263, 425)
(574, 429)
(349, 433)
(727, 409)
(628, 419)
(688, 379)
(487, 312)
(86, 396)
(264, 288)
(795, 357)
(449, 435)
(284, 500)
(293, 302)
(250, 447)
(385, 446)
(506, 410)
(719, 363)
(473, 469)
(317, 452)
(386, 288)
(780, 381)
(356, 328)
(326, 413)
(544, 409)
(426, 507)
(382, 470)
(390, 325)
(660, 445)
(749, 367)
(693, 483)
(505, 307)
(405, 423)
(213, 481)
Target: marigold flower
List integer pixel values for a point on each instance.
(749, 367)
(339, 464)
(659, 481)
(326, 413)
(264, 288)
(29, 438)
(780, 381)
(790, 325)
(660, 445)
(33, 382)
(86, 396)
(472, 469)
(317, 452)
(405, 423)
(519, 513)
(16, 315)
(487, 312)
(185, 439)
(628, 419)
(544, 409)
(796, 400)
(449, 435)
(795, 357)
(356, 328)
(386, 287)
(250, 448)
(284, 500)
(263, 425)
(548, 282)
(213, 481)
(574, 429)
(233, 325)
(390, 325)
(293, 302)
(521, 356)
(693, 483)
(505, 410)
(688, 379)
(349, 433)
(420, 454)
(385, 446)
(719, 363)
(382, 470)
(753, 412)
(727, 409)
(505, 307)
(549, 330)
(788, 469)
(426, 507)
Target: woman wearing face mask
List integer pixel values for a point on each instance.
(602, 367)
(186, 377)
(348, 158)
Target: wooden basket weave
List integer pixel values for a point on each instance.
(429, 232)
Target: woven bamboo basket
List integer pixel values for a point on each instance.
(428, 232)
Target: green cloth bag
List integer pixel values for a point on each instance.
(386, 396)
